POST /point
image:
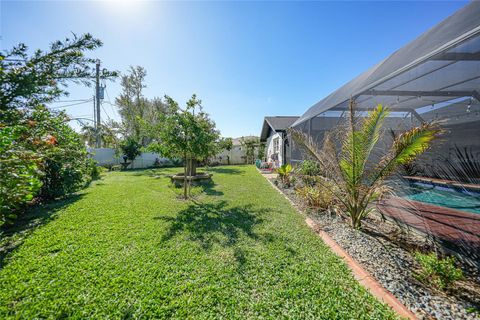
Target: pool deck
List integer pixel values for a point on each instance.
(456, 230)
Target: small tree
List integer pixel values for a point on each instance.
(188, 134)
(250, 144)
(131, 148)
(226, 144)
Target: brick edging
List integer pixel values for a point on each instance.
(360, 274)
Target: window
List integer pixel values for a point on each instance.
(276, 145)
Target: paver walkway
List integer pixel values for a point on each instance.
(454, 229)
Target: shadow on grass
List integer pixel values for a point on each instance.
(226, 170)
(216, 223)
(13, 236)
(152, 172)
(209, 189)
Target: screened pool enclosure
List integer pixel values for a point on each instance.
(435, 77)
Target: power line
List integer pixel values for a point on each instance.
(106, 113)
(71, 105)
(79, 100)
(110, 103)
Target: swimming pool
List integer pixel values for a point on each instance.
(444, 197)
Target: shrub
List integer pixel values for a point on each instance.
(19, 174)
(65, 158)
(441, 272)
(131, 148)
(309, 168)
(285, 174)
(94, 170)
(317, 196)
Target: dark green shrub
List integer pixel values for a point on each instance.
(308, 172)
(65, 158)
(309, 168)
(441, 272)
(94, 171)
(19, 174)
(131, 148)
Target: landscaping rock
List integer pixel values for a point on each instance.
(391, 265)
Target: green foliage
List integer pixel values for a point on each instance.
(359, 181)
(187, 133)
(225, 144)
(94, 171)
(317, 197)
(236, 255)
(285, 174)
(441, 272)
(131, 148)
(309, 168)
(139, 114)
(64, 155)
(250, 145)
(19, 173)
(41, 154)
(109, 133)
(27, 81)
(261, 151)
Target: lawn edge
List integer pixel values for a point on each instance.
(359, 273)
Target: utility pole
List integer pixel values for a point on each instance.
(97, 105)
(94, 118)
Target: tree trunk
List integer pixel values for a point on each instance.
(191, 167)
(185, 196)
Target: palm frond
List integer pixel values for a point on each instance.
(406, 147)
(371, 127)
(359, 143)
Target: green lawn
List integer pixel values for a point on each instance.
(126, 247)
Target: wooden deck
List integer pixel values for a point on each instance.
(456, 230)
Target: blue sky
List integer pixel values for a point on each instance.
(245, 60)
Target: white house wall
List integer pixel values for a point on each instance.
(269, 147)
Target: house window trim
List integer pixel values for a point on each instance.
(276, 145)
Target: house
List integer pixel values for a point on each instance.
(434, 77)
(236, 155)
(274, 136)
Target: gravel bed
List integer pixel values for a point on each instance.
(392, 266)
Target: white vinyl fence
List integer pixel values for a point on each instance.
(106, 156)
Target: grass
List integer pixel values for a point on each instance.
(127, 247)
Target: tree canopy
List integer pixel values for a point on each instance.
(186, 133)
(27, 81)
(137, 111)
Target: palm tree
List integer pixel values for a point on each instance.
(359, 180)
(88, 135)
(108, 134)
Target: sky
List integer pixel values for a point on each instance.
(244, 60)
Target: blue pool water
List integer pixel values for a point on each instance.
(445, 197)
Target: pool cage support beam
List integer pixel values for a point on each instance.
(403, 93)
(457, 56)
